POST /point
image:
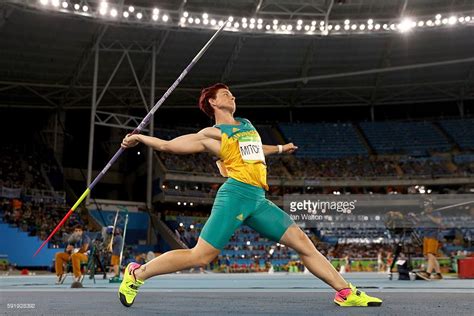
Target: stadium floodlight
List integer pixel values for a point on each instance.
(55, 3)
(313, 22)
(244, 20)
(461, 19)
(370, 27)
(125, 14)
(405, 25)
(299, 22)
(183, 20)
(131, 9)
(213, 22)
(191, 226)
(185, 14)
(275, 21)
(393, 26)
(385, 26)
(190, 20)
(156, 11)
(362, 27)
(221, 23)
(259, 21)
(306, 27)
(228, 24)
(77, 6)
(259, 26)
(275, 27)
(102, 11)
(347, 27)
(370, 21)
(467, 18)
(313, 28)
(354, 27)
(104, 4)
(429, 23)
(179, 203)
(377, 26)
(347, 21)
(283, 27)
(85, 8)
(337, 27)
(289, 27)
(139, 15)
(65, 4)
(298, 27)
(205, 21)
(191, 203)
(437, 22)
(154, 17)
(267, 27)
(438, 16)
(321, 23)
(252, 21)
(44, 2)
(197, 20)
(230, 19)
(113, 13)
(421, 23)
(245, 25)
(452, 20)
(444, 21)
(252, 26)
(205, 16)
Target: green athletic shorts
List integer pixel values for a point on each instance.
(240, 203)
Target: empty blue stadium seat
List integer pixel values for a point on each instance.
(462, 131)
(324, 140)
(413, 138)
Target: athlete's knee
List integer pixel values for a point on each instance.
(298, 236)
(203, 256)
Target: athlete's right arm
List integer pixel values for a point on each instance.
(182, 145)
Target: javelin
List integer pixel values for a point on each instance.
(137, 130)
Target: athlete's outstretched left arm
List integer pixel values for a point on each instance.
(274, 149)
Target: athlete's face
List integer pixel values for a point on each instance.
(224, 100)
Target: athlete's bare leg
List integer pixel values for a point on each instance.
(316, 263)
(177, 260)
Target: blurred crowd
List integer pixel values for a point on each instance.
(287, 166)
(38, 219)
(20, 170)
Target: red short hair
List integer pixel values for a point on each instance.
(209, 93)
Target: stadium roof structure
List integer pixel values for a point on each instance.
(51, 51)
